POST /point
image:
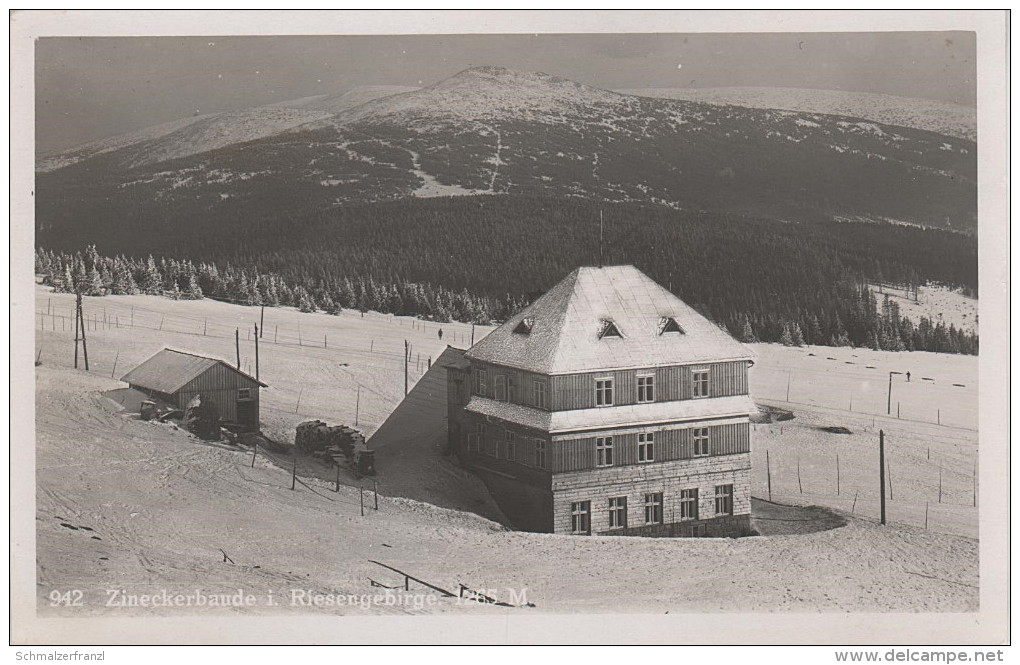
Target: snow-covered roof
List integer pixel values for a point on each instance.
(169, 370)
(632, 415)
(566, 328)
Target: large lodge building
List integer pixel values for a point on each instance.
(608, 406)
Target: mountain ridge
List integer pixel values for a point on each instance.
(496, 131)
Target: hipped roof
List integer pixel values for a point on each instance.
(169, 370)
(566, 322)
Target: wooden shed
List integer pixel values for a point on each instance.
(176, 378)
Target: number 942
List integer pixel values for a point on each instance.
(72, 598)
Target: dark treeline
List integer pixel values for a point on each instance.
(482, 258)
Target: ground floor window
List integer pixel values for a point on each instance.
(724, 499)
(653, 508)
(511, 446)
(540, 456)
(618, 512)
(580, 517)
(244, 393)
(689, 504)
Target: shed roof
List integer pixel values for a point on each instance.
(170, 370)
(570, 328)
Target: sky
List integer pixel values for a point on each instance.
(88, 88)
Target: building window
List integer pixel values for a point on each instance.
(480, 437)
(618, 512)
(700, 441)
(472, 443)
(481, 382)
(580, 517)
(646, 388)
(646, 447)
(525, 326)
(510, 441)
(603, 392)
(501, 387)
(538, 394)
(244, 393)
(608, 329)
(689, 504)
(653, 508)
(700, 378)
(724, 499)
(668, 324)
(604, 451)
(540, 456)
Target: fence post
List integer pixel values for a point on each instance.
(974, 479)
(337, 488)
(254, 453)
(768, 471)
(799, 485)
(854, 507)
(362, 497)
(293, 477)
(375, 493)
(837, 474)
(881, 472)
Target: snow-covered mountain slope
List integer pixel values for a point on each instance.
(494, 131)
(202, 133)
(942, 117)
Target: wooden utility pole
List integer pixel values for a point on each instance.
(407, 354)
(257, 329)
(262, 320)
(881, 471)
(472, 334)
(357, 406)
(375, 493)
(84, 341)
(362, 498)
(799, 485)
(293, 477)
(837, 474)
(77, 320)
(237, 347)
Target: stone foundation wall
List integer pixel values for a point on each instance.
(669, 478)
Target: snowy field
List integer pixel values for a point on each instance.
(165, 510)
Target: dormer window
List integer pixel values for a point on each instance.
(608, 329)
(668, 324)
(524, 327)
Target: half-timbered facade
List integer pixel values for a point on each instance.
(608, 406)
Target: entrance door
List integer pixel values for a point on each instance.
(247, 415)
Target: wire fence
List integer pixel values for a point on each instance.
(937, 492)
(310, 474)
(865, 390)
